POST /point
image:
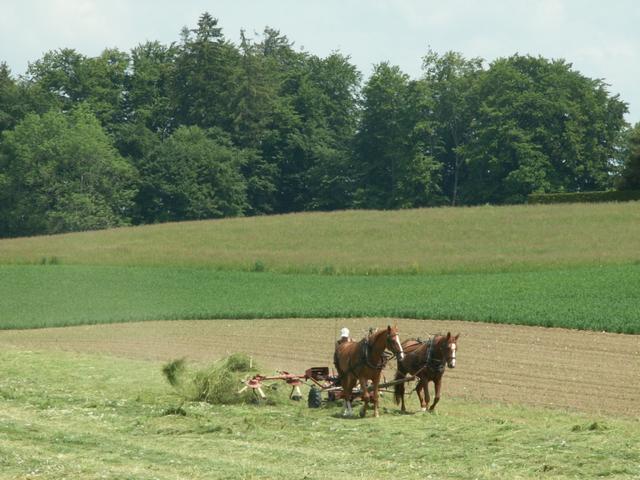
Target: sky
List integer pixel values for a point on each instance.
(601, 39)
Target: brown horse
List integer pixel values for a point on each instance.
(426, 360)
(363, 361)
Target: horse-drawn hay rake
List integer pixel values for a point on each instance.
(321, 381)
(363, 363)
(318, 376)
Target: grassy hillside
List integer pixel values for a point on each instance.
(86, 417)
(596, 298)
(575, 266)
(481, 239)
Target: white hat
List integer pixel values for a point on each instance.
(344, 332)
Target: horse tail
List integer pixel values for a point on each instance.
(398, 388)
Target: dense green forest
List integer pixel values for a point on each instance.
(206, 128)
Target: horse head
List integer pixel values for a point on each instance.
(386, 339)
(393, 342)
(450, 346)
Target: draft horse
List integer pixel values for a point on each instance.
(427, 360)
(363, 361)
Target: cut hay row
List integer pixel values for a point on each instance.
(87, 416)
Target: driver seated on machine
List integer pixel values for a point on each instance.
(344, 338)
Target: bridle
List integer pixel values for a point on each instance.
(438, 364)
(393, 340)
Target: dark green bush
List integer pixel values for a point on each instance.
(585, 197)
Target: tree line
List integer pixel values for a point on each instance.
(206, 128)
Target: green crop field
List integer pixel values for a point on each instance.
(71, 416)
(596, 298)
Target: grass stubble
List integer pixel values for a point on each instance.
(65, 415)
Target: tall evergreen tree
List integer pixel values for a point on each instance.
(332, 176)
(394, 159)
(307, 129)
(148, 106)
(253, 101)
(381, 135)
(10, 104)
(204, 74)
(149, 88)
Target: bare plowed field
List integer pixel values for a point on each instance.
(588, 371)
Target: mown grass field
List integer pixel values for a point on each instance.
(436, 240)
(593, 298)
(69, 416)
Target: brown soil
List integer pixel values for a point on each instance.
(588, 371)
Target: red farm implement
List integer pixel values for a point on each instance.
(317, 376)
(319, 379)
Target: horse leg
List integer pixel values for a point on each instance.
(437, 383)
(424, 403)
(347, 394)
(347, 403)
(398, 392)
(365, 397)
(419, 392)
(376, 397)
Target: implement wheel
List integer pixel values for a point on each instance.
(315, 398)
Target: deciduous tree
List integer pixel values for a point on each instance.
(540, 126)
(60, 174)
(630, 178)
(193, 174)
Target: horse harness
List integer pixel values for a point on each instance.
(366, 350)
(432, 363)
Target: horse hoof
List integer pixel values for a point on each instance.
(424, 409)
